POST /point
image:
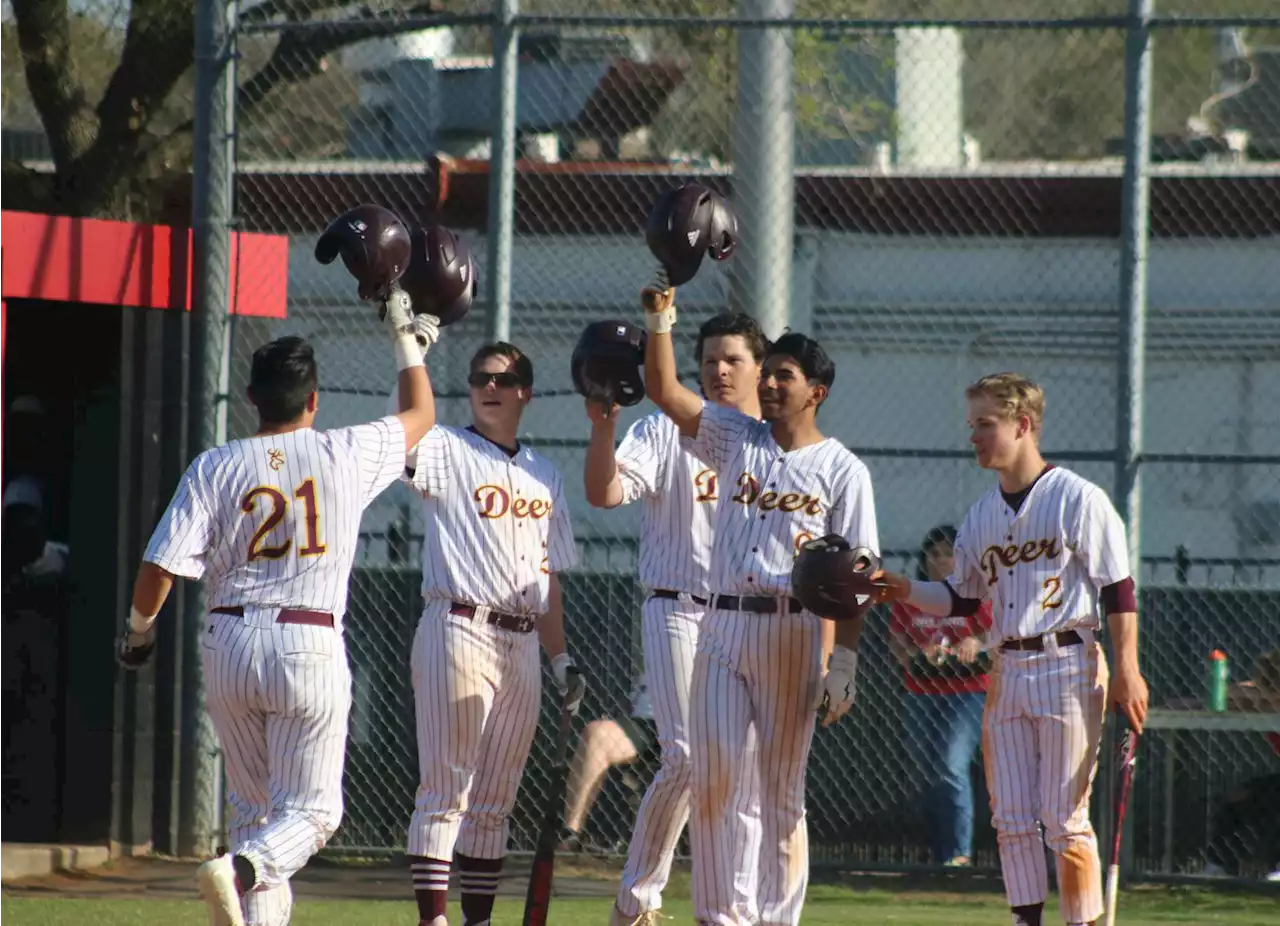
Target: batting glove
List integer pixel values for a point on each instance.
(133, 649)
(569, 681)
(397, 314)
(426, 328)
(835, 697)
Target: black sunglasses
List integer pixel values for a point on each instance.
(505, 380)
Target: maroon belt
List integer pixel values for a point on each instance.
(1036, 644)
(286, 615)
(516, 623)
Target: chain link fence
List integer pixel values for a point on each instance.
(954, 208)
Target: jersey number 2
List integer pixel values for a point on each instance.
(279, 507)
(1052, 593)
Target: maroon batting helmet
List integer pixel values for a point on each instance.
(687, 223)
(607, 362)
(441, 279)
(374, 245)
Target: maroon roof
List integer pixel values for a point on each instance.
(591, 197)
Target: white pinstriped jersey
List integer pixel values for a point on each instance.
(497, 524)
(680, 493)
(1043, 567)
(771, 501)
(275, 520)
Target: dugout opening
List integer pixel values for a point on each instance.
(95, 338)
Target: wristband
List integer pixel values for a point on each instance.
(661, 322)
(843, 658)
(139, 622)
(408, 353)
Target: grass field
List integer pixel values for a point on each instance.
(827, 905)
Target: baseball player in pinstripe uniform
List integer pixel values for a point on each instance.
(497, 534)
(680, 493)
(1047, 547)
(272, 521)
(759, 656)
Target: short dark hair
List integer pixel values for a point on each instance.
(943, 533)
(521, 365)
(808, 355)
(283, 375)
(728, 324)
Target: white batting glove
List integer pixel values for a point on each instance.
(426, 328)
(569, 681)
(397, 314)
(836, 694)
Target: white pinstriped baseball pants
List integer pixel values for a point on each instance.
(476, 693)
(669, 633)
(1040, 733)
(279, 696)
(763, 669)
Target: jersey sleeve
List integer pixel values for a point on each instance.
(379, 448)
(641, 460)
(853, 509)
(966, 578)
(562, 551)
(429, 472)
(720, 432)
(184, 536)
(1100, 540)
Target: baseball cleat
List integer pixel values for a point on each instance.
(216, 879)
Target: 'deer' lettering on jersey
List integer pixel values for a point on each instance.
(1043, 566)
(497, 525)
(772, 501)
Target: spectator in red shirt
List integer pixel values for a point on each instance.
(945, 672)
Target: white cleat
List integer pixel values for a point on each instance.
(216, 879)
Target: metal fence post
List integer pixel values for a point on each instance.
(213, 189)
(502, 156)
(1133, 309)
(763, 161)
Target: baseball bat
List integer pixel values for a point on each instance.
(537, 901)
(1128, 751)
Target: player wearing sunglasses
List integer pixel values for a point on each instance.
(497, 532)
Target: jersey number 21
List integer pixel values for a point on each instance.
(279, 507)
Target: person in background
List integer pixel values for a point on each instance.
(944, 670)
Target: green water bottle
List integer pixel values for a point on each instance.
(1219, 673)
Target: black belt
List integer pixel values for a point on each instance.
(1065, 638)
(756, 604)
(516, 623)
(676, 596)
(286, 615)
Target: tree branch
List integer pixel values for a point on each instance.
(44, 36)
(299, 53)
(158, 51)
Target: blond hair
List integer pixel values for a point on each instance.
(1014, 395)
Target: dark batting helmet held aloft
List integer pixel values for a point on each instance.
(374, 245)
(687, 223)
(607, 362)
(441, 279)
(829, 576)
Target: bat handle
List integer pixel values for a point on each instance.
(1113, 887)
